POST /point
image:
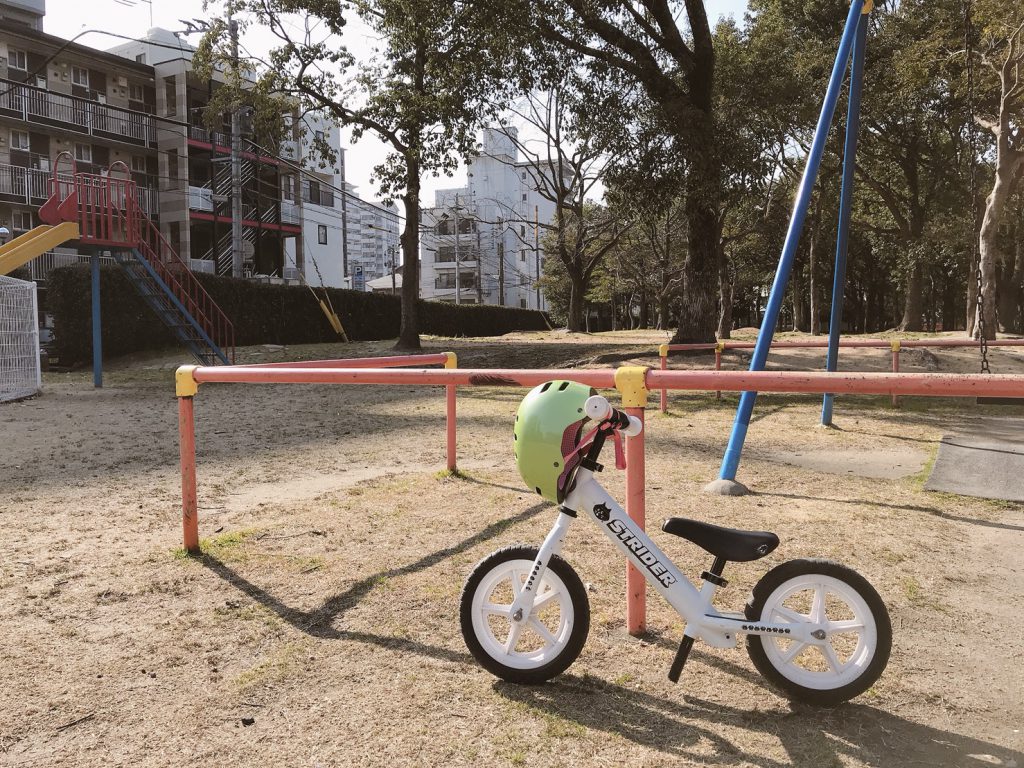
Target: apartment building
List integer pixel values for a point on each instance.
(63, 100)
(317, 162)
(195, 173)
(490, 229)
(372, 243)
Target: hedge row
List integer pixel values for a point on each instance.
(261, 314)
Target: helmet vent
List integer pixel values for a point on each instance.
(562, 386)
(537, 489)
(545, 387)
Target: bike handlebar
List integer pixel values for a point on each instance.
(599, 409)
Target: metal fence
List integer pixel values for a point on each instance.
(20, 374)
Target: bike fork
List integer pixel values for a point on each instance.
(523, 605)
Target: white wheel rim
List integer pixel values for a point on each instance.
(526, 644)
(851, 635)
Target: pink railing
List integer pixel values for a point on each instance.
(634, 383)
(895, 345)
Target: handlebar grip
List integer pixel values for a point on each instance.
(599, 409)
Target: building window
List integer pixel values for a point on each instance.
(446, 253)
(321, 234)
(21, 221)
(135, 92)
(17, 60)
(445, 227)
(524, 175)
(522, 255)
(80, 76)
(83, 153)
(138, 164)
(19, 140)
(311, 192)
(522, 230)
(522, 303)
(524, 197)
(140, 58)
(319, 136)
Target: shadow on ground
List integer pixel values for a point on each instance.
(811, 737)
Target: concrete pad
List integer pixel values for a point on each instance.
(984, 458)
(890, 463)
(722, 487)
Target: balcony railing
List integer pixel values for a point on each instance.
(41, 266)
(40, 106)
(289, 213)
(467, 282)
(203, 265)
(200, 198)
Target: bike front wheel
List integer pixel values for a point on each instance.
(542, 645)
(853, 631)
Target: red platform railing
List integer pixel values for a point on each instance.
(108, 214)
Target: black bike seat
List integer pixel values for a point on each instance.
(730, 544)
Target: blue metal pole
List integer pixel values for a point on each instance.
(835, 322)
(731, 460)
(97, 336)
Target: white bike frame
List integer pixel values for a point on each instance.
(589, 499)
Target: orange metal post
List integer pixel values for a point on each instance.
(663, 354)
(895, 369)
(452, 361)
(186, 388)
(189, 502)
(630, 381)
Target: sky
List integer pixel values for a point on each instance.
(67, 18)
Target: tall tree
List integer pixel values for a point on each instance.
(1003, 51)
(432, 79)
(672, 61)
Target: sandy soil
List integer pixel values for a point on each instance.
(320, 626)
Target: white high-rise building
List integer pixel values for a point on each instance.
(497, 246)
(372, 243)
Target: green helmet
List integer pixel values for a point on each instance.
(549, 424)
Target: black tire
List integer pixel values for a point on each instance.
(874, 664)
(571, 645)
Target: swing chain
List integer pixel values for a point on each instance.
(972, 140)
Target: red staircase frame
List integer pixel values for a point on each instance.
(107, 211)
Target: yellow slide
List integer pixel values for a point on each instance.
(36, 242)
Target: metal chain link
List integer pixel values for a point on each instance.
(972, 141)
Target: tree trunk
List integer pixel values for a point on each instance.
(698, 318)
(812, 275)
(575, 321)
(1006, 171)
(913, 301)
(409, 335)
(796, 282)
(645, 316)
(725, 295)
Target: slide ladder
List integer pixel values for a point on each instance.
(106, 212)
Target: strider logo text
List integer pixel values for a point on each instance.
(643, 554)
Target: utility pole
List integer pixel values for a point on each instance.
(536, 247)
(501, 263)
(458, 261)
(236, 158)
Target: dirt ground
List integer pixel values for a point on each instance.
(320, 626)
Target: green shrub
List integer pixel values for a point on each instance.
(261, 314)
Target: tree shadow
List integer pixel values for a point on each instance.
(812, 737)
(912, 507)
(319, 621)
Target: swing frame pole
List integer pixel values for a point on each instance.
(835, 323)
(726, 484)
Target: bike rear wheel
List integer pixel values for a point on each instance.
(548, 640)
(856, 633)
